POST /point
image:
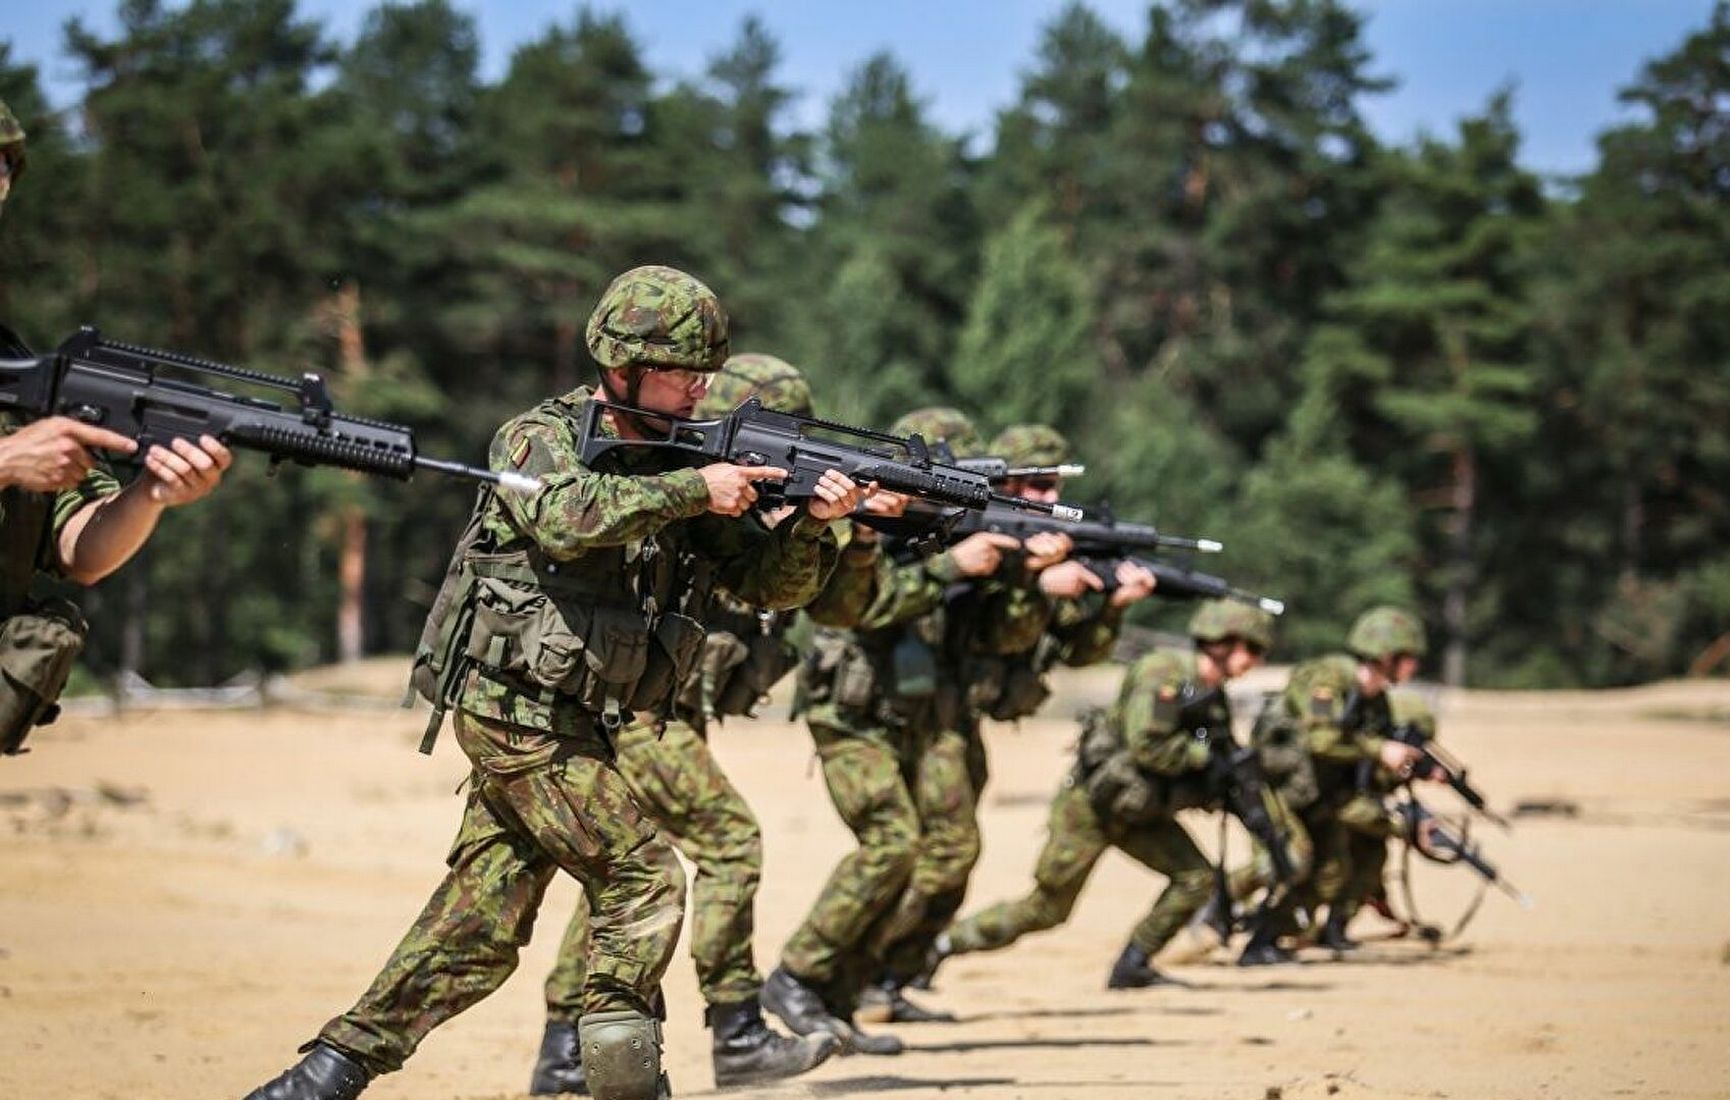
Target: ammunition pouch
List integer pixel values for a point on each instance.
(38, 647)
(1022, 691)
(767, 658)
(1283, 752)
(1122, 793)
(837, 671)
(1100, 739)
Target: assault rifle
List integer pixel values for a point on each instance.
(134, 391)
(1234, 774)
(752, 435)
(1434, 760)
(1442, 846)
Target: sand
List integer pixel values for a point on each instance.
(186, 896)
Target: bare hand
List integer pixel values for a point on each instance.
(837, 496)
(1069, 579)
(54, 453)
(731, 492)
(979, 554)
(1134, 582)
(1398, 757)
(882, 502)
(1047, 548)
(1426, 836)
(185, 471)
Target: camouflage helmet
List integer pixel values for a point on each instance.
(11, 140)
(1031, 445)
(939, 424)
(1383, 631)
(1217, 620)
(1412, 709)
(660, 318)
(748, 375)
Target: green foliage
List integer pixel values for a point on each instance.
(1378, 374)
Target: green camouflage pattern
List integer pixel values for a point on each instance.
(676, 780)
(595, 525)
(658, 317)
(1317, 697)
(1409, 708)
(864, 778)
(941, 424)
(1075, 839)
(1217, 620)
(777, 382)
(1383, 631)
(538, 803)
(1032, 445)
(1150, 713)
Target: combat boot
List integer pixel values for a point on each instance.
(559, 1067)
(1333, 934)
(1132, 971)
(747, 1052)
(326, 1073)
(856, 1041)
(1263, 948)
(885, 1003)
(800, 1007)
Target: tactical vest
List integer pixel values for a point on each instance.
(1278, 740)
(745, 654)
(1121, 792)
(609, 632)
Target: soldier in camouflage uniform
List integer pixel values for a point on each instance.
(676, 779)
(1137, 765)
(1002, 637)
(566, 617)
(1338, 708)
(63, 514)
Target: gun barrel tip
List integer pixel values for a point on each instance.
(1209, 546)
(1272, 607)
(1071, 469)
(521, 483)
(1066, 512)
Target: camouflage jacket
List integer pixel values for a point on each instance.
(631, 539)
(1165, 715)
(1343, 731)
(30, 524)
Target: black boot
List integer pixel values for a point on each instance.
(1263, 948)
(324, 1074)
(800, 1007)
(855, 1041)
(1334, 935)
(1131, 971)
(559, 1066)
(939, 950)
(747, 1052)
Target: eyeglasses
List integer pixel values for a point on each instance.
(685, 378)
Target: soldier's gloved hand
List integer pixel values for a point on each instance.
(1134, 582)
(1069, 579)
(1398, 757)
(1046, 549)
(731, 491)
(54, 453)
(979, 554)
(184, 471)
(837, 496)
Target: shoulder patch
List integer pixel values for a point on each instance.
(1167, 693)
(520, 451)
(1322, 702)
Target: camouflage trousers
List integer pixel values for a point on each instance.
(870, 791)
(536, 805)
(949, 771)
(1076, 839)
(678, 782)
(1351, 855)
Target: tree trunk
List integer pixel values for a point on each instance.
(351, 521)
(1456, 601)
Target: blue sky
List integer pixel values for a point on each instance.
(1567, 58)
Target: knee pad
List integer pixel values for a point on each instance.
(622, 1055)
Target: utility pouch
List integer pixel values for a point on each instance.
(855, 684)
(984, 679)
(564, 645)
(1121, 792)
(1024, 692)
(1099, 740)
(723, 651)
(670, 661)
(819, 668)
(38, 647)
(1282, 751)
(768, 658)
(915, 666)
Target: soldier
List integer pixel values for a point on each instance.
(1137, 766)
(63, 514)
(566, 616)
(676, 779)
(1337, 707)
(854, 686)
(1001, 636)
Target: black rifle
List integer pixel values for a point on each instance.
(805, 447)
(1179, 583)
(1434, 760)
(133, 391)
(999, 470)
(1442, 846)
(1234, 773)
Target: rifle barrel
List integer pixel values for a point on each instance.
(504, 479)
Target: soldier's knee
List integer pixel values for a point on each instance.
(621, 1055)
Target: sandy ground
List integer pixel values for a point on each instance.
(185, 897)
